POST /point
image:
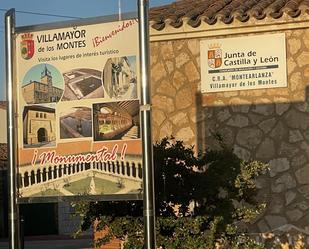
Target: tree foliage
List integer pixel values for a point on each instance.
(202, 201)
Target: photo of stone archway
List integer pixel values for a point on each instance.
(116, 120)
(82, 83)
(39, 126)
(42, 135)
(76, 122)
(119, 77)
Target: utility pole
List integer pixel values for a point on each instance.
(119, 10)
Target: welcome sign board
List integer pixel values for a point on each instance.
(243, 63)
(78, 111)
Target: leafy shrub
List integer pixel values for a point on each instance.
(202, 201)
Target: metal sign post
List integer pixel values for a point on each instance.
(11, 145)
(29, 44)
(148, 172)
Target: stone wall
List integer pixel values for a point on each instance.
(68, 222)
(270, 125)
(175, 78)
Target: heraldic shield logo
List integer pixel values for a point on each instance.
(214, 56)
(27, 46)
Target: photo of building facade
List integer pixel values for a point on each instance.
(119, 77)
(43, 91)
(39, 126)
(116, 120)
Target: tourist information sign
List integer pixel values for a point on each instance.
(78, 117)
(79, 114)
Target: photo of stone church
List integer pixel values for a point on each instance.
(44, 89)
(39, 126)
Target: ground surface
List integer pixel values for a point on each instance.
(53, 243)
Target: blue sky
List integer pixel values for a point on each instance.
(72, 8)
(35, 75)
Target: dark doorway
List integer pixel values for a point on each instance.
(42, 135)
(3, 204)
(39, 218)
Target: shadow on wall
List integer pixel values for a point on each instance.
(274, 132)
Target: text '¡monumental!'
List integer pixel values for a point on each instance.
(101, 155)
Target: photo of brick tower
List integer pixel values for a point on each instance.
(43, 83)
(39, 126)
(116, 120)
(119, 77)
(76, 122)
(82, 83)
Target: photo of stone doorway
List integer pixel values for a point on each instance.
(119, 77)
(76, 122)
(82, 83)
(39, 126)
(116, 120)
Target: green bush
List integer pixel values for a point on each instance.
(203, 201)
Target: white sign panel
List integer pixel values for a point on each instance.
(78, 111)
(243, 63)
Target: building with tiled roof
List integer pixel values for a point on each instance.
(195, 13)
(268, 124)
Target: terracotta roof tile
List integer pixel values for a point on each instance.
(3, 105)
(194, 12)
(292, 7)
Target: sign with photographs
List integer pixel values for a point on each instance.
(78, 111)
(243, 63)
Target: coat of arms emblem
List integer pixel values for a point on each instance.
(27, 46)
(214, 56)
